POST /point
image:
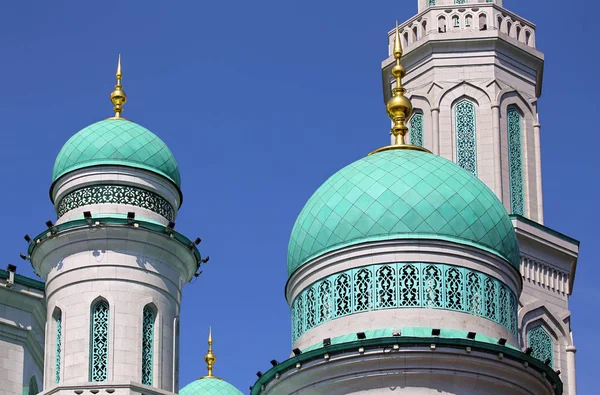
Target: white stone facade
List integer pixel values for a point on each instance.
(22, 321)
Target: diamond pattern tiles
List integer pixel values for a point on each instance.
(116, 142)
(209, 386)
(401, 194)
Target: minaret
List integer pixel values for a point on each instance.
(474, 75)
(113, 264)
(404, 276)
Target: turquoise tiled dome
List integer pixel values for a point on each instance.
(401, 194)
(209, 386)
(116, 142)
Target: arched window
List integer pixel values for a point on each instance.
(149, 318)
(515, 161)
(99, 341)
(541, 343)
(415, 34)
(508, 28)
(416, 129)
(424, 27)
(33, 387)
(58, 348)
(518, 33)
(527, 37)
(499, 22)
(466, 148)
(406, 39)
(441, 24)
(468, 21)
(455, 21)
(482, 22)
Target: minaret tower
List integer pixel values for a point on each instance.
(404, 277)
(474, 76)
(113, 264)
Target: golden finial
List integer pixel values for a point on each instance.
(118, 96)
(399, 108)
(210, 358)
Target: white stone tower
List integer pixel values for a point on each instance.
(404, 277)
(474, 75)
(113, 265)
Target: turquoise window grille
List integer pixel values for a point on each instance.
(515, 160)
(460, 1)
(99, 342)
(149, 318)
(33, 387)
(401, 285)
(430, 3)
(541, 343)
(466, 147)
(416, 129)
(58, 326)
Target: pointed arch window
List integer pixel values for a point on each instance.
(466, 147)
(33, 387)
(149, 318)
(515, 161)
(99, 342)
(58, 329)
(541, 343)
(416, 129)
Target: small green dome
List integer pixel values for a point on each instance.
(116, 142)
(401, 194)
(209, 386)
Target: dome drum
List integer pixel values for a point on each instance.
(410, 365)
(115, 190)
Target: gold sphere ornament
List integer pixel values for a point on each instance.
(399, 106)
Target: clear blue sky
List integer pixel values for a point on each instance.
(260, 102)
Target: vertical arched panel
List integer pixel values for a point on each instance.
(515, 161)
(58, 325)
(466, 147)
(149, 319)
(416, 129)
(99, 341)
(541, 343)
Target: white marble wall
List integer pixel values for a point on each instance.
(548, 264)
(129, 267)
(21, 337)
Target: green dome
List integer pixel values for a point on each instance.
(116, 142)
(209, 386)
(401, 194)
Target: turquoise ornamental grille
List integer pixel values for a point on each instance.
(58, 323)
(466, 148)
(541, 343)
(400, 285)
(148, 345)
(515, 161)
(115, 194)
(99, 346)
(430, 2)
(416, 129)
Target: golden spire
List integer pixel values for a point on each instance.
(399, 108)
(118, 96)
(210, 358)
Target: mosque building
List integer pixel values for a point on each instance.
(423, 266)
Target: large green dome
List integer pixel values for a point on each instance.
(401, 194)
(209, 386)
(116, 142)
